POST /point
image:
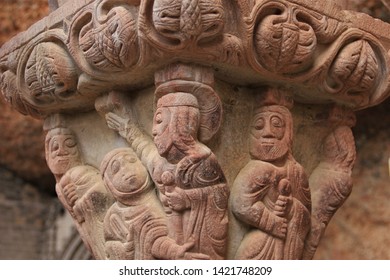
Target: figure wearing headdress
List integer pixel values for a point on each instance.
(271, 194)
(135, 226)
(191, 183)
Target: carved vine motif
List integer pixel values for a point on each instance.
(271, 193)
(166, 196)
(50, 74)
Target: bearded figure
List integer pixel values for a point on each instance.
(271, 195)
(192, 187)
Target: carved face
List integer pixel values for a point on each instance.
(161, 136)
(126, 174)
(62, 153)
(269, 135)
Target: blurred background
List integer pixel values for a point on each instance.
(33, 225)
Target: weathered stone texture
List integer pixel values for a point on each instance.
(359, 230)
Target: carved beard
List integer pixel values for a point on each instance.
(268, 151)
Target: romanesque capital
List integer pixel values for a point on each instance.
(199, 129)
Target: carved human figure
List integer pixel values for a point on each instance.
(271, 195)
(331, 182)
(79, 187)
(135, 225)
(191, 184)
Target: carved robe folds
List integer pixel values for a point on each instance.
(194, 129)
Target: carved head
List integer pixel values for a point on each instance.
(61, 151)
(125, 176)
(175, 125)
(271, 133)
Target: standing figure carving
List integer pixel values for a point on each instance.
(331, 180)
(271, 194)
(192, 186)
(79, 187)
(135, 226)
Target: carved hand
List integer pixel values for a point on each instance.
(177, 199)
(281, 205)
(280, 227)
(183, 254)
(115, 122)
(69, 192)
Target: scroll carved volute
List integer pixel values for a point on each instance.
(284, 44)
(50, 74)
(271, 195)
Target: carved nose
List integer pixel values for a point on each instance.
(267, 133)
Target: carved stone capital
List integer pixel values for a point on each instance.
(194, 129)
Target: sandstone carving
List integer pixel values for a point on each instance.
(191, 184)
(271, 193)
(79, 187)
(171, 129)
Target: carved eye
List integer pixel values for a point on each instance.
(130, 159)
(259, 124)
(159, 118)
(115, 166)
(277, 122)
(55, 146)
(70, 142)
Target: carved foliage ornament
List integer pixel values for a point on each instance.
(164, 187)
(271, 39)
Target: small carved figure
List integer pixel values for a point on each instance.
(271, 193)
(331, 182)
(135, 226)
(191, 183)
(79, 187)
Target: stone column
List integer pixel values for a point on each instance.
(199, 129)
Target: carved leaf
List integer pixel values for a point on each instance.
(354, 72)
(284, 46)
